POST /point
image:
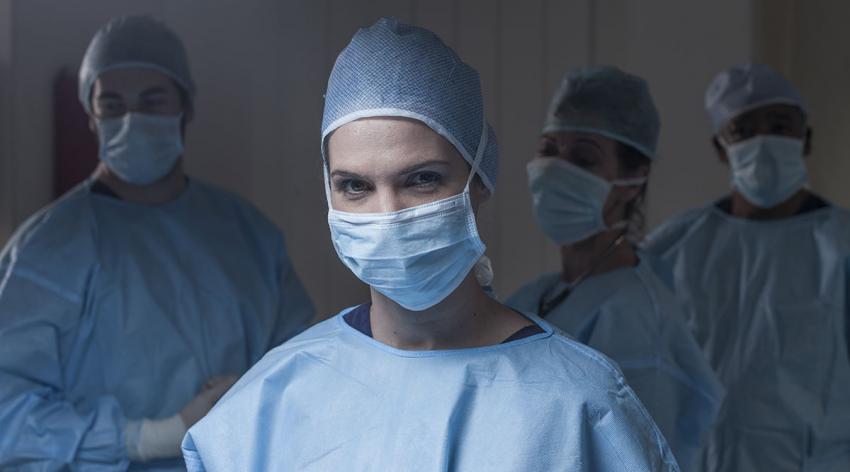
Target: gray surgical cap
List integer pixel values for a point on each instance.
(745, 87)
(609, 102)
(134, 41)
(395, 69)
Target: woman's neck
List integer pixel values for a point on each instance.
(467, 318)
(162, 191)
(596, 255)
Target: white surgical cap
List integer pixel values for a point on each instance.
(745, 87)
(609, 102)
(134, 41)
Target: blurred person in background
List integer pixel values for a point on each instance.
(588, 183)
(130, 305)
(763, 276)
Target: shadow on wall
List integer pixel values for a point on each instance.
(75, 147)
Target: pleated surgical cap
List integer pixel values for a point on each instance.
(607, 101)
(134, 41)
(745, 87)
(395, 69)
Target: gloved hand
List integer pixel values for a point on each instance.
(149, 439)
(211, 392)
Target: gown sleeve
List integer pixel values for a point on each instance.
(619, 434)
(40, 316)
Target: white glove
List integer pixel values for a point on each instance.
(154, 439)
(149, 439)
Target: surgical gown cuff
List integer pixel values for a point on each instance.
(149, 439)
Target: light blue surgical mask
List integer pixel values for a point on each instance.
(767, 169)
(569, 201)
(417, 256)
(140, 148)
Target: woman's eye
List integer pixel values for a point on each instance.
(111, 109)
(583, 159)
(740, 133)
(424, 179)
(352, 187)
(548, 149)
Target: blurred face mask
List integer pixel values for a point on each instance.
(417, 256)
(569, 201)
(767, 169)
(140, 148)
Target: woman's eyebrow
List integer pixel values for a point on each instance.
(590, 142)
(407, 170)
(347, 174)
(422, 165)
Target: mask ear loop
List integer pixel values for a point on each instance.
(483, 268)
(624, 224)
(479, 152)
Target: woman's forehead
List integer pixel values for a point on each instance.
(387, 141)
(386, 128)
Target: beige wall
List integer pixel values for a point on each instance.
(262, 65)
(808, 42)
(678, 47)
(6, 191)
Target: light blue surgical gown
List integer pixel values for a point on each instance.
(113, 311)
(767, 301)
(333, 398)
(629, 315)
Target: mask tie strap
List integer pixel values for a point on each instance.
(479, 152)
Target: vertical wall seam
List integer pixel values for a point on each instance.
(327, 261)
(544, 91)
(455, 22)
(500, 127)
(591, 33)
(791, 26)
(11, 143)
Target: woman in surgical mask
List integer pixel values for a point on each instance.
(432, 374)
(588, 184)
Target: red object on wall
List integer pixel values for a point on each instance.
(74, 144)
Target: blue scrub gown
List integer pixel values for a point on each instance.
(113, 311)
(333, 398)
(629, 315)
(767, 301)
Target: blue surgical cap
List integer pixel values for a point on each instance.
(134, 41)
(609, 102)
(394, 69)
(745, 87)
